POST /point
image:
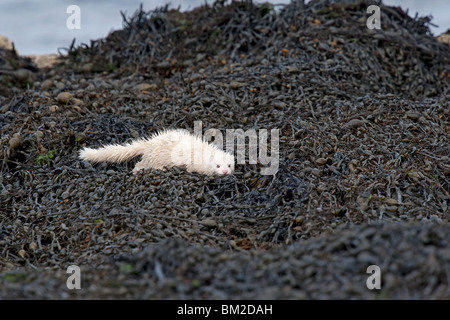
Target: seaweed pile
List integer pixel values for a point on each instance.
(331, 267)
(363, 173)
(327, 43)
(16, 72)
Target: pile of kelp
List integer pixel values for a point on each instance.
(399, 58)
(362, 173)
(16, 72)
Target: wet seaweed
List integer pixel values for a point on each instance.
(364, 159)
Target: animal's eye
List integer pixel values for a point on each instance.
(218, 166)
(229, 166)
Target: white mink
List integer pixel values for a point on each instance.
(169, 148)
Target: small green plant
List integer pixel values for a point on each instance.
(15, 276)
(45, 158)
(112, 66)
(127, 268)
(335, 14)
(98, 220)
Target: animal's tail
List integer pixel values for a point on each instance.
(114, 152)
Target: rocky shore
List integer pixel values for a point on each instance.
(364, 158)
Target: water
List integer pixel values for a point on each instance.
(39, 27)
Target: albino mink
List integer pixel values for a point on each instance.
(168, 148)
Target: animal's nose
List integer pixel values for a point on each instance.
(225, 171)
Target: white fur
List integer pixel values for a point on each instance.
(167, 149)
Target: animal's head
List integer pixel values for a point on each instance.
(223, 164)
(220, 163)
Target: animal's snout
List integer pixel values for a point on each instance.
(225, 171)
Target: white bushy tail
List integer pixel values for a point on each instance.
(114, 153)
